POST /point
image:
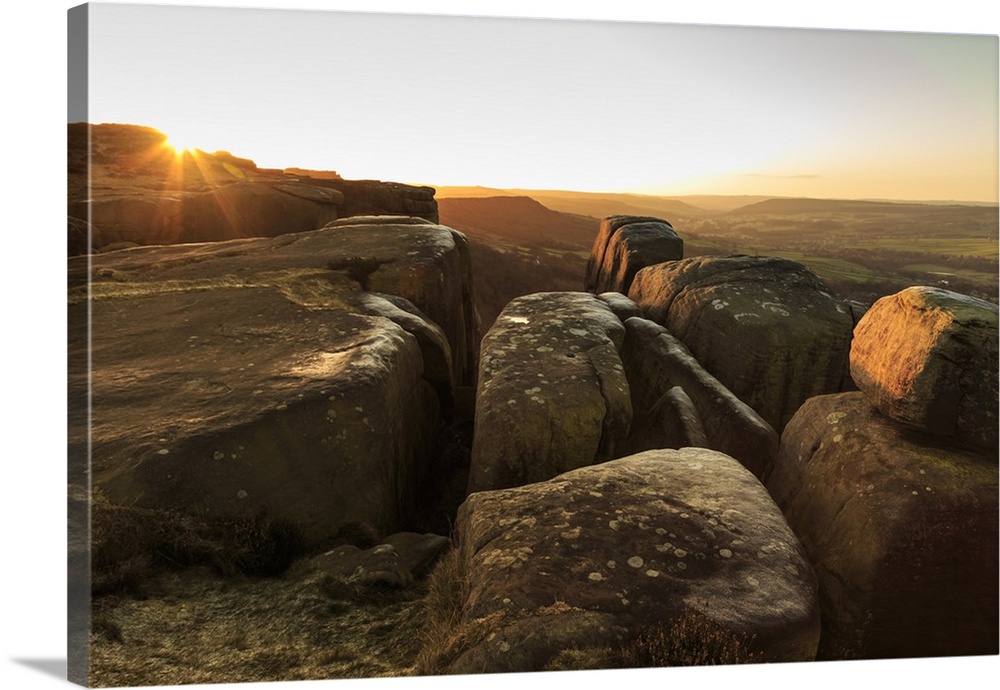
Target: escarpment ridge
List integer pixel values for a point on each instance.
(134, 188)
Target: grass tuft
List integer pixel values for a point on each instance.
(694, 639)
(443, 636)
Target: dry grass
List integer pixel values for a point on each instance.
(692, 640)
(180, 600)
(195, 626)
(442, 635)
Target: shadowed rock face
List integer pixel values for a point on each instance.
(902, 532)
(602, 264)
(552, 394)
(622, 306)
(592, 557)
(672, 421)
(655, 363)
(767, 328)
(256, 376)
(928, 357)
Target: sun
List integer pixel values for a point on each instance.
(180, 144)
(182, 139)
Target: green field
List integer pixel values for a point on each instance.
(831, 269)
(982, 247)
(945, 271)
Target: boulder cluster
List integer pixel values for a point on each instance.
(716, 437)
(695, 439)
(893, 489)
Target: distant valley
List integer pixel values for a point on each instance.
(530, 240)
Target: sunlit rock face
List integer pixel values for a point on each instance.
(928, 357)
(677, 403)
(625, 244)
(900, 529)
(591, 558)
(767, 328)
(552, 394)
(135, 188)
(302, 376)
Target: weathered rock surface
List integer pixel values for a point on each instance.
(928, 357)
(632, 247)
(622, 306)
(374, 197)
(418, 551)
(591, 558)
(129, 182)
(552, 394)
(602, 264)
(767, 328)
(380, 564)
(901, 531)
(255, 375)
(401, 267)
(655, 363)
(397, 560)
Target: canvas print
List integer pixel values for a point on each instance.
(410, 345)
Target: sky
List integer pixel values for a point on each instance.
(614, 106)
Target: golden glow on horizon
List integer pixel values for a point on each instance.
(712, 169)
(666, 109)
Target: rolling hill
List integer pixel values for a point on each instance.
(517, 220)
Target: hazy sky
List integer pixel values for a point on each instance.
(584, 105)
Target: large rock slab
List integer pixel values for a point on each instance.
(928, 357)
(655, 363)
(552, 394)
(256, 375)
(598, 251)
(632, 247)
(767, 328)
(593, 557)
(902, 532)
(426, 264)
